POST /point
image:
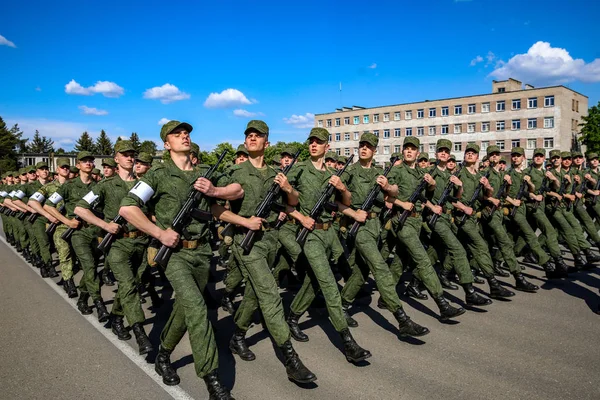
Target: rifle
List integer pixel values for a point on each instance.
(370, 199)
(188, 210)
(320, 204)
(500, 194)
(461, 218)
(416, 195)
(444, 197)
(265, 207)
(580, 190)
(52, 227)
(66, 236)
(595, 198)
(521, 192)
(109, 238)
(22, 215)
(561, 191)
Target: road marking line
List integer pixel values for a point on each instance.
(175, 392)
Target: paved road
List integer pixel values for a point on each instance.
(538, 346)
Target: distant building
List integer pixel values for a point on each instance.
(511, 116)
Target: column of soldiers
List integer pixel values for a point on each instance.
(436, 220)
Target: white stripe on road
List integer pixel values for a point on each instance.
(175, 392)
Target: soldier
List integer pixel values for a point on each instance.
(195, 155)
(582, 177)
(592, 186)
(308, 181)
(451, 166)
(143, 163)
(331, 159)
(502, 164)
(96, 175)
(399, 159)
(73, 172)
(109, 167)
(286, 156)
(341, 162)
(276, 162)
(423, 161)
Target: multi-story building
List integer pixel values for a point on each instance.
(511, 116)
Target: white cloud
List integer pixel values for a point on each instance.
(246, 114)
(475, 61)
(92, 111)
(38, 89)
(301, 121)
(166, 93)
(544, 64)
(5, 42)
(372, 66)
(163, 121)
(105, 88)
(226, 99)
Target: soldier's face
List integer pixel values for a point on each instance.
(317, 148)
(502, 166)
(256, 142)
(141, 168)
(578, 160)
(538, 159)
(443, 155)
(471, 156)
(32, 176)
(424, 163)
(494, 157)
(43, 173)
(516, 159)
(594, 162)
(86, 165)
(179, 141)
(566, 162)
(286, 160)
(410, 153)
(330, 163)
(555, 161)
(23, 178)
(241, 157)
(366, 151)
(339, 165)
(125, 160)
(451, 164)
(63, 171)
(108, 171)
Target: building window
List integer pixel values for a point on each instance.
(531, 143)
(420, 131)
(500, 126)
(515, 143)
(397, 148)
(444, 111)
(376, 133)
(500, 144)
(484, 145)
(346, 152)
(500, 105)
(420, 113)
(386, 133)
(458, 128)
(330, 137)
(471, 127)
(386, 117)
(516, 104)
(355, 151)
(532, 102)
(346, 136)
(485, 107)
(472, 108)
(548, 122)
(549, 101)
(432, 147)
(386, 149)
(329, 123)
(485, 126)
(397, 115)
(338, 151)
(337, 122)
(421, 148)
(516, 124)
(356, 120)
(501, 90)
(397, 132)
(346, 120)
(407, 115)
(431, 112)
(444, 129)
(548, 143)
(531, 123)
(432, 131)
(408, 132)
(375, 117)
(320, 123)
(458, 146)
(365, 119)
(356, 135)
(337, 137)
(457, 110)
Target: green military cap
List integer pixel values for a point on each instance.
(485, 158)
(473, 147)
(73, 169)
(423, 155)
(452, 158)
(411, 140)
(109, 162)
(288, 150)
(502, 160)
(123, 146)
(276, 159)
(492, 149)
(86, 154)
(397, 155)
(331, 154)
(195, 149)
(518, 150)
(432, 160)
(369, 138)
(10, 173)
(23, 171)
(554, 153)
(319, 133)
(591, 156)
(41, 164)
(171, 126)
(31, 168)
(62, 161)
(443, 144)
(576, 154)
(342, 159)
(257, 125)
(144, 157)
(241, 149)
(539, 151)
(96, 171)
(565, 154)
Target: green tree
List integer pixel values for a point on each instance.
(135, 141)
(10, 141)
(103, 144)
(273, 150)
(590, 129)
(85, 143)
(60, 150)
(148, 146)
(40, 144)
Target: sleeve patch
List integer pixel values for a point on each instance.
(20, 194)
(143, 191)
(55, 198)
(90, 197)
(37, 196)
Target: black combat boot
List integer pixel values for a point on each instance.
(163, 367)
(447, 311)
(50, 270)
(19, 248)
(352, 323)
(141, 289)
(107, 279)
(297, 334)
(26, 254)
(523, 285)
(118, 328)
(216, 390)
(238, 345)
(71, 290)
(474, 299)
(296, 371)
(530, 258)
(550, 269)
(227, 303)
(498, 271)
(354, 353)
(102, 311)
(44, 272)
(497, 291)
(413, 290)
(561, 269)
(445, 281)
(407, 326)
(82, 304)
(579, 263)
(591, 258)
(381, 304)
(143, 342)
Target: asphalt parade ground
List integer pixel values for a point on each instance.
(537, 346)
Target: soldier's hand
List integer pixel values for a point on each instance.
(577, 178)
(429, 179)
(468, 210)
(507, 179)
(52, 220)
(73, 223)
(516, 202)
(113, 228)
(567, 177)
(437, 210)
(484, 182)
(169, 237)
(596, 192)
(408, 206)
(382, 181)
(283, 183)
(457, 182)
(578, 195)
(550, 176)
(308, 223)
(569, 197)
(282, 216)
(360, 215)
(254, 223)
(538, 197)
(204, 186)
(494, 201)
(587, 177)
(337, 183)
(527, 178)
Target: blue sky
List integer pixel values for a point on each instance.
(67, 66)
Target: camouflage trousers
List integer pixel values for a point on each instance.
(85, 243)
(65, 253)
(38, 229)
